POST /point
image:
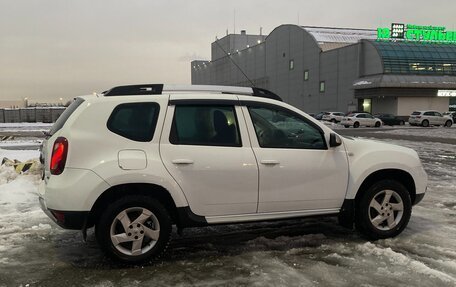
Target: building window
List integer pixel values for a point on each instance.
(322, 86)
(306, 75)
(291, 65)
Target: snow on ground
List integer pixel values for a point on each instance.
(433, 132)
(307, 252)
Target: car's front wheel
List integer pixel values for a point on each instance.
(134, 229)
(448, 124)
(384, 210)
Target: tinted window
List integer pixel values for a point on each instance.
(429, 113)
(65, 115)
(361, 116)
(437, 114)
(416, 113)
(135, 121)
(212, 125)
(281, 129)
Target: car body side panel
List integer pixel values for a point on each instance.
(366, 157)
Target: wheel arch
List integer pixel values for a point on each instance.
(399, 175)
(116, 192)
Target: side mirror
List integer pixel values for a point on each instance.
(334, 140)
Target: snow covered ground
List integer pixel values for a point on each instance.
(11, 127)
(307, 252)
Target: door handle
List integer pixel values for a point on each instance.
(182, 161)
(269, 162)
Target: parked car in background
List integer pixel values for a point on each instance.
(334, 117)
(390, 120)
(428, 118)
(357, 120)
(452, 115)
(319, 116)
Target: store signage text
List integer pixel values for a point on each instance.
(446, 93)
(416, 33)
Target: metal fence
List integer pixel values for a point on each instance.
(31, 115)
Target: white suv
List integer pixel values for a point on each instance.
(136, 160)
(427, 118)
(334, 117)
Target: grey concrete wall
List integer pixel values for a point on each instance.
(31, 115)
(385, 105)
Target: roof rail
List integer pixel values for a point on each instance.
(158, 89)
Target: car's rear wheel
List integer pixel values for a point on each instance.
(384, 210)
(134, 229)
(356, 125)
(425, 123)
(401, 123)
(448, 124)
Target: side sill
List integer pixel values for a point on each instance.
(269, 216)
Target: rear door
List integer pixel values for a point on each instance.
(206, 149)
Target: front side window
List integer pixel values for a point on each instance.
(278, 128)
(210, 125)
(135, 121)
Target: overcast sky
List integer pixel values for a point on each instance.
(61, 48)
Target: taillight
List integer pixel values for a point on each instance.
(418, 117)
(59, 155)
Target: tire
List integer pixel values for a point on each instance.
(448, 124)
(356, 125)
(401, 123)
(378, 217)
(377, 124)
(333, 121)
(118, 221)
(346, 126)
(425, 123)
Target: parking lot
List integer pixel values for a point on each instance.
(305, 252)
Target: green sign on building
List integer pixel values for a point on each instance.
(416, 33)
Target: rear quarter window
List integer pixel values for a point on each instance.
(65, 115)
(134, 121)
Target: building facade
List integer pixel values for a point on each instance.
(334, 69)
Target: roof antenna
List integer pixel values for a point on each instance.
(229, 57)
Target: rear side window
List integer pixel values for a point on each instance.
(134, 121)
(207, 125)
(65, 115)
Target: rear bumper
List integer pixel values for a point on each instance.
(66, 219)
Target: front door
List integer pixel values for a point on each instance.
(205, 148)
(297, 169)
